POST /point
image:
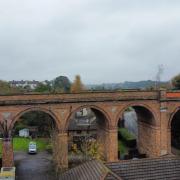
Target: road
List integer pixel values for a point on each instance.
(33, 167)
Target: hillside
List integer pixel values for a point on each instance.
(124, 85)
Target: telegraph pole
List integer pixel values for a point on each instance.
(158, 76)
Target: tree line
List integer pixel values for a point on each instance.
(60, 84)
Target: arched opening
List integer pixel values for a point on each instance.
(33, 133)
(175, 133)
(87, 135)
(135, 132)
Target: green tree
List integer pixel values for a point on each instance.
(176, 81)
(41, 120)
(27, 88)
(77, 85)
(43, 87)
(6, 88)
(61, 84)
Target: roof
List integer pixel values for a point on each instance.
(91, 170)
(147, 169)
(164, 168)
(25, 129)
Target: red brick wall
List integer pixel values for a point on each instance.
(7, 154)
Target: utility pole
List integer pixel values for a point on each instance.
(158, 76)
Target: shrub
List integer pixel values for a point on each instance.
(176, 82)
(93, 149)
(125, 134)
(128, 138)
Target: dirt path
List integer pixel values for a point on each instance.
(33, 167)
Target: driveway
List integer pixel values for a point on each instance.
(33, 167)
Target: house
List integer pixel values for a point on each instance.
(29, 131)
(81, 127)
(91, 170)
(24, 132)
(166, 167)
(32, 84)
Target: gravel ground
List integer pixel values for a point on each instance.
(33, 167)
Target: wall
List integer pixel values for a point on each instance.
(149, 139)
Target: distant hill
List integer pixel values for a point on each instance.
(124, 85)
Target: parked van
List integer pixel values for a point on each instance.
(32, 148)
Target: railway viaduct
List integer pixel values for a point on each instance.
(155, 111)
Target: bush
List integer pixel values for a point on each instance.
(125, 134)
(176, 82)
(93, 149)
(128, 138)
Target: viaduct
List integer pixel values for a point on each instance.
(155, 111)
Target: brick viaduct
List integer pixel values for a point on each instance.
(155, 110)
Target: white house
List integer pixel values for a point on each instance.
(24, 133)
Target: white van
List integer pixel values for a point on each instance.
(32, 148)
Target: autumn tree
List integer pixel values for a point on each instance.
(77, 85)
(92, 149)
(176, 81)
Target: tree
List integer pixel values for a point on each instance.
(77, 85)
(27, 88)
(176, 81)
(43, 121)
(6, 88)
(92, 149)
(61, 84)
(43, 88)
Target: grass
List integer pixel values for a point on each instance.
(126, 134)
(21, 144)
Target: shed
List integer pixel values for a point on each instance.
(24, 132)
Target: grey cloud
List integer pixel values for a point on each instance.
(103, 40)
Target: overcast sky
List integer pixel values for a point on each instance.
(102, 40)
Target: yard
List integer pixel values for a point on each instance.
(21, 144)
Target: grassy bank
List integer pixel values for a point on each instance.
(21, 144)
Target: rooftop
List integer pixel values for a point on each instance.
(148, 169)
(167, 167)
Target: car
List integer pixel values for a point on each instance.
(32, 149)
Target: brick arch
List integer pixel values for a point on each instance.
(101, 110)
(172, 116)
(147, 107)
(47, 111)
